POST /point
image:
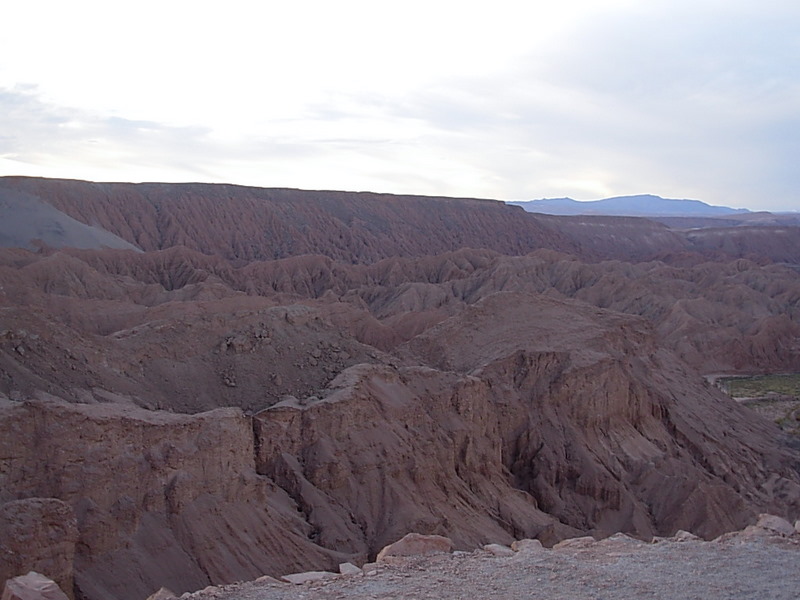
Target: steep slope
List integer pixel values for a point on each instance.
(519, 416)
(245, 224)
(29, 222)
(605, 429)
(779, 244)
(160, 499)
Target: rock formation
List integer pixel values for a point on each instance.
(32, 586)
(39, 535)
(286, 381)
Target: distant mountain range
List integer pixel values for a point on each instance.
(644, 205)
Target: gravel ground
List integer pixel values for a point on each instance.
(618, 568)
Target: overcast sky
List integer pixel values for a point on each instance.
(503, 99)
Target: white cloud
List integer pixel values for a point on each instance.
(510, 100)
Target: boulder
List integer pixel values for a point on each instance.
(416, 544)
(684, 536)
(349, 569)
(370, 568)
(39, 535)
(33, 586)
(775, 525)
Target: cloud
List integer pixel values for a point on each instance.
(681, 102)
(71, 142)
(587, 99)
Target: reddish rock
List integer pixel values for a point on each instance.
(160, 498)
(479, 393)
(38, 534)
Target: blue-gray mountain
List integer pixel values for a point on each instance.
(644, 205)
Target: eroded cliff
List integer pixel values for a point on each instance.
(178, 419)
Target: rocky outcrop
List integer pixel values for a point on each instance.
(32, 586)
(595, 413)
(38, 534)
(83, 322)
(171, 418)
(597, 425)
(160, 499)
(386, 451)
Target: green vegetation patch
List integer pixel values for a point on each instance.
(762, 385)
(774, 397)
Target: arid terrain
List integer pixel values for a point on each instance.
(203, 384)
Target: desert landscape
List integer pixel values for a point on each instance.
(206, 384)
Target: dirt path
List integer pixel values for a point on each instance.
(618, 568)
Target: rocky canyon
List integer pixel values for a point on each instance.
(202, 384)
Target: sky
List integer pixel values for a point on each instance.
(508, 100)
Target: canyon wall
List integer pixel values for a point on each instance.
(284, 380)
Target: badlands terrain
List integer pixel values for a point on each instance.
(204, 384)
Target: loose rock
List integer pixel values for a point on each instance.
(300, 578)
(776, 524)
(349, 569)
(415, 544)
(33, 586)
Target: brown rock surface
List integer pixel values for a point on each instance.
(334, 402)
(161, 499)
(244, 224)
(32, 586)
(38, 534)
(596, 414)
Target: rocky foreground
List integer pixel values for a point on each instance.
(758, 562)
